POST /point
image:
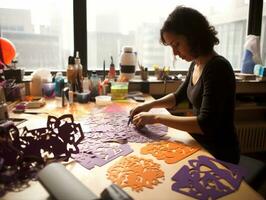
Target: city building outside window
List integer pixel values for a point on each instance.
(114, 24)
(42, 32)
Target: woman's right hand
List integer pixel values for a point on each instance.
(141, 108)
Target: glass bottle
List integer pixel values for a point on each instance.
(71, 72)
(59, 84)
(79, 75)
(94, 84)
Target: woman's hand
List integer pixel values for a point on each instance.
(143, 118)
(141, 108)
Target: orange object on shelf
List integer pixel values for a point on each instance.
(7, 50)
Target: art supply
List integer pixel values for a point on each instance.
(102, 100)
(111, 73)
(94, 83)
(3, 111)
(103, 70)
(119, 90)
(128, 62)
(35, 102)
(94, 152)
(83, 97)
(115, 192)
(72, 187)
(65, 96)
(169, 151)
(59, 84)
(144, 73)
(129, 120)
(128, 172)
(71, 72)
(220, 179)
(36, 85)
(86, 85)
(79, 71)
(70, 96)
(48, 90)
(139, 98)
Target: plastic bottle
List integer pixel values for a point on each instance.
(36, 86)
(71, 72)
(128, 62)
(94, 83)
(111, 74)
(59, 84)
(79, 76)
(85, 84)
(3, 111)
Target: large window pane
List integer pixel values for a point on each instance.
(114, 24)
(42, 31)
(263, 34)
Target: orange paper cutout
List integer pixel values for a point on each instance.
(135, 173)
(170, 152)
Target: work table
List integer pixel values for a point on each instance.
(95, 179)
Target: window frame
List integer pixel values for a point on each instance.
(80, 28)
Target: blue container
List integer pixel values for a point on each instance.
(248, 62)
(59, 84)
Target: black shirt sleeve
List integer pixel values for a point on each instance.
(217, 106)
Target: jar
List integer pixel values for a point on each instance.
(59, 84)
(3, 112)
(94, 84)
(128, 62)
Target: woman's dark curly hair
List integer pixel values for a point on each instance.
(194, 26)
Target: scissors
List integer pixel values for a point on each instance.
(129, 120)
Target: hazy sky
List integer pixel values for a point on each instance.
(130, 13)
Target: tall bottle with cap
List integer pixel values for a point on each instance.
(111, 73)
(71, 72)
(79, 70)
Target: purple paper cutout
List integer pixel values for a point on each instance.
(112, 126)
(58, 141)
(23, 155)
(95, 152)
(198, 182)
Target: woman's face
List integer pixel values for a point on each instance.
(179, 45)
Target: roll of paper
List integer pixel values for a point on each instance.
(62, 185)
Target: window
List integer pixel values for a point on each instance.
(42, 31)
(114, 24)
(263, 34)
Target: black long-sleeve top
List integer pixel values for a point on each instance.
(213, 101)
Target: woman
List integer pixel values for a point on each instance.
(209, 86)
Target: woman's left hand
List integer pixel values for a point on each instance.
(143, 118)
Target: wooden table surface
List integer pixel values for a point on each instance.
(95, 179)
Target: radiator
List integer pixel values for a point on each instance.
(252, 137)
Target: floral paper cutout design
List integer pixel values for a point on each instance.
(110, 126)
(169, 151)
(207, 178)
(58, 141)
(95, 152)
(22, 155)
(135, 173)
